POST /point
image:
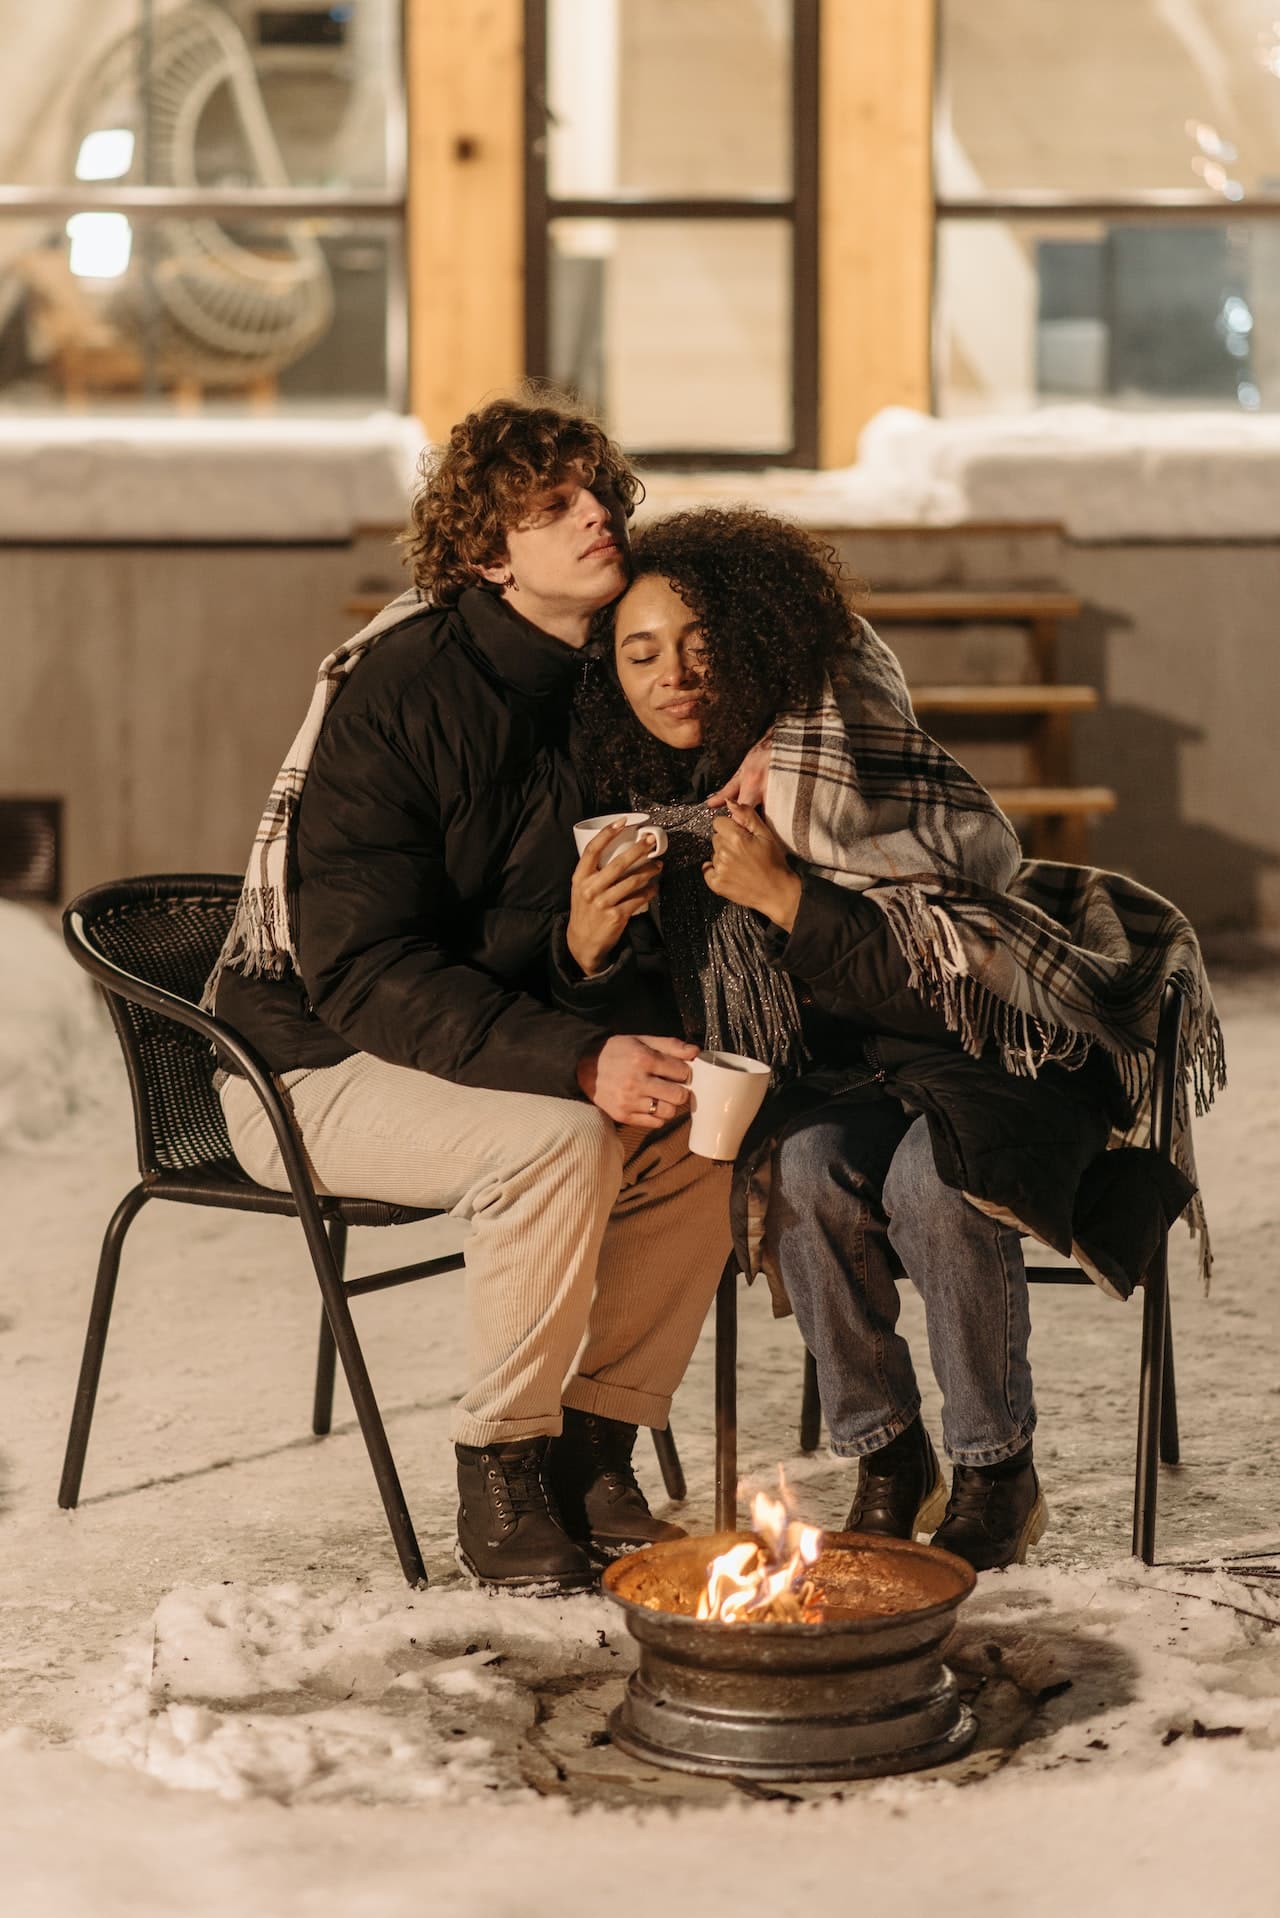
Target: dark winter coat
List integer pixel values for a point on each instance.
(434, 853)
(1030, 1149)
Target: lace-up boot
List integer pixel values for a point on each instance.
(994, 1513)
(900, 1487)
(509, 1531)
(596, 1489)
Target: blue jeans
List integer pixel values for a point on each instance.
(856, 1202)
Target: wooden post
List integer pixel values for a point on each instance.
(464, 69)
(876, 214)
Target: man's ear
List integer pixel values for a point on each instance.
(497, 572)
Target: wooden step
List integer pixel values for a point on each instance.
(1046, 802)
(957, 604)
(982, 701)
(935, 606)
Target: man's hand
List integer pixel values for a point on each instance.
(603, 898)
(638, 1081)
(749, 865)
(746, 787)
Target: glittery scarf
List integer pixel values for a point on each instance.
(731, 998)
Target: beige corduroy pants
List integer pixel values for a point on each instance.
(594, 1251)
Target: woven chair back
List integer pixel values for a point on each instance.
(167, 933)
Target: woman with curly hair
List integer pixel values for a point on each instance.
(956, 1035)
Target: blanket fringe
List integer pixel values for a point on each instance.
(930, 943)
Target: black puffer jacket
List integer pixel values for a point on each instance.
(434, 851)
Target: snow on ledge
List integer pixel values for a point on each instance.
(88, 477)
(1100, 474)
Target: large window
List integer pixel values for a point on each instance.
(201, 205)
(671, 220)
(1108, 192)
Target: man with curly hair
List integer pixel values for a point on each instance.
(393, 958)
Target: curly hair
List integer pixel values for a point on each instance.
(473, 490)
(775, 609)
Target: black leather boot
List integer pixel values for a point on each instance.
(900, 1487)
(591, 1477)
(509, 1531)
(994, 1513)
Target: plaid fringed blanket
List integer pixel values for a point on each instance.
(1042, 960)
(263, 936)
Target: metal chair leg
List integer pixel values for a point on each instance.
(727, 1399)
(810, 1406)
(1155, 1328)
(95, 1341)
(1170, 1447)
(322, 1407)
(1157, 1399)
(664, 1445)
(338, 1308)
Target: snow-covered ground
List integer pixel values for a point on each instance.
(220, 1697)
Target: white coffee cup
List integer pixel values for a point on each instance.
(638, 827)
(726, 1091)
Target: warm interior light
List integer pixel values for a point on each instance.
(105, 155)
(100, 245)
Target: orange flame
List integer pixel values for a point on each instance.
(769, 1579)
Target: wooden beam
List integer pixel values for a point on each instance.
(465, 80)
(876, 214)
(1005, 701)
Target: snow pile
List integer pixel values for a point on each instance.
(447, 1695)
(299, 1697)
(1131, 1667)
(1102, 474)
(91, 476)
(887, 492)
(58, 1055)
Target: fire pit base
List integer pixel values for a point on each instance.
(798, 1771)
(860, 1693)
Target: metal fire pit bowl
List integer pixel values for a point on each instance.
(862, 1693)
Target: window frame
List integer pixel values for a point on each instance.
(385, 207)
(798, 209)
(1149, 206)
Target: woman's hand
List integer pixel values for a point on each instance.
(638, 1081)
(603, 899)
(746, 788)
(749, 866)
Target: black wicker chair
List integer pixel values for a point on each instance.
(150, 944)
(1157, 1396)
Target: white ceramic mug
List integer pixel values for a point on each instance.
(638, 827)
(726, 1090)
